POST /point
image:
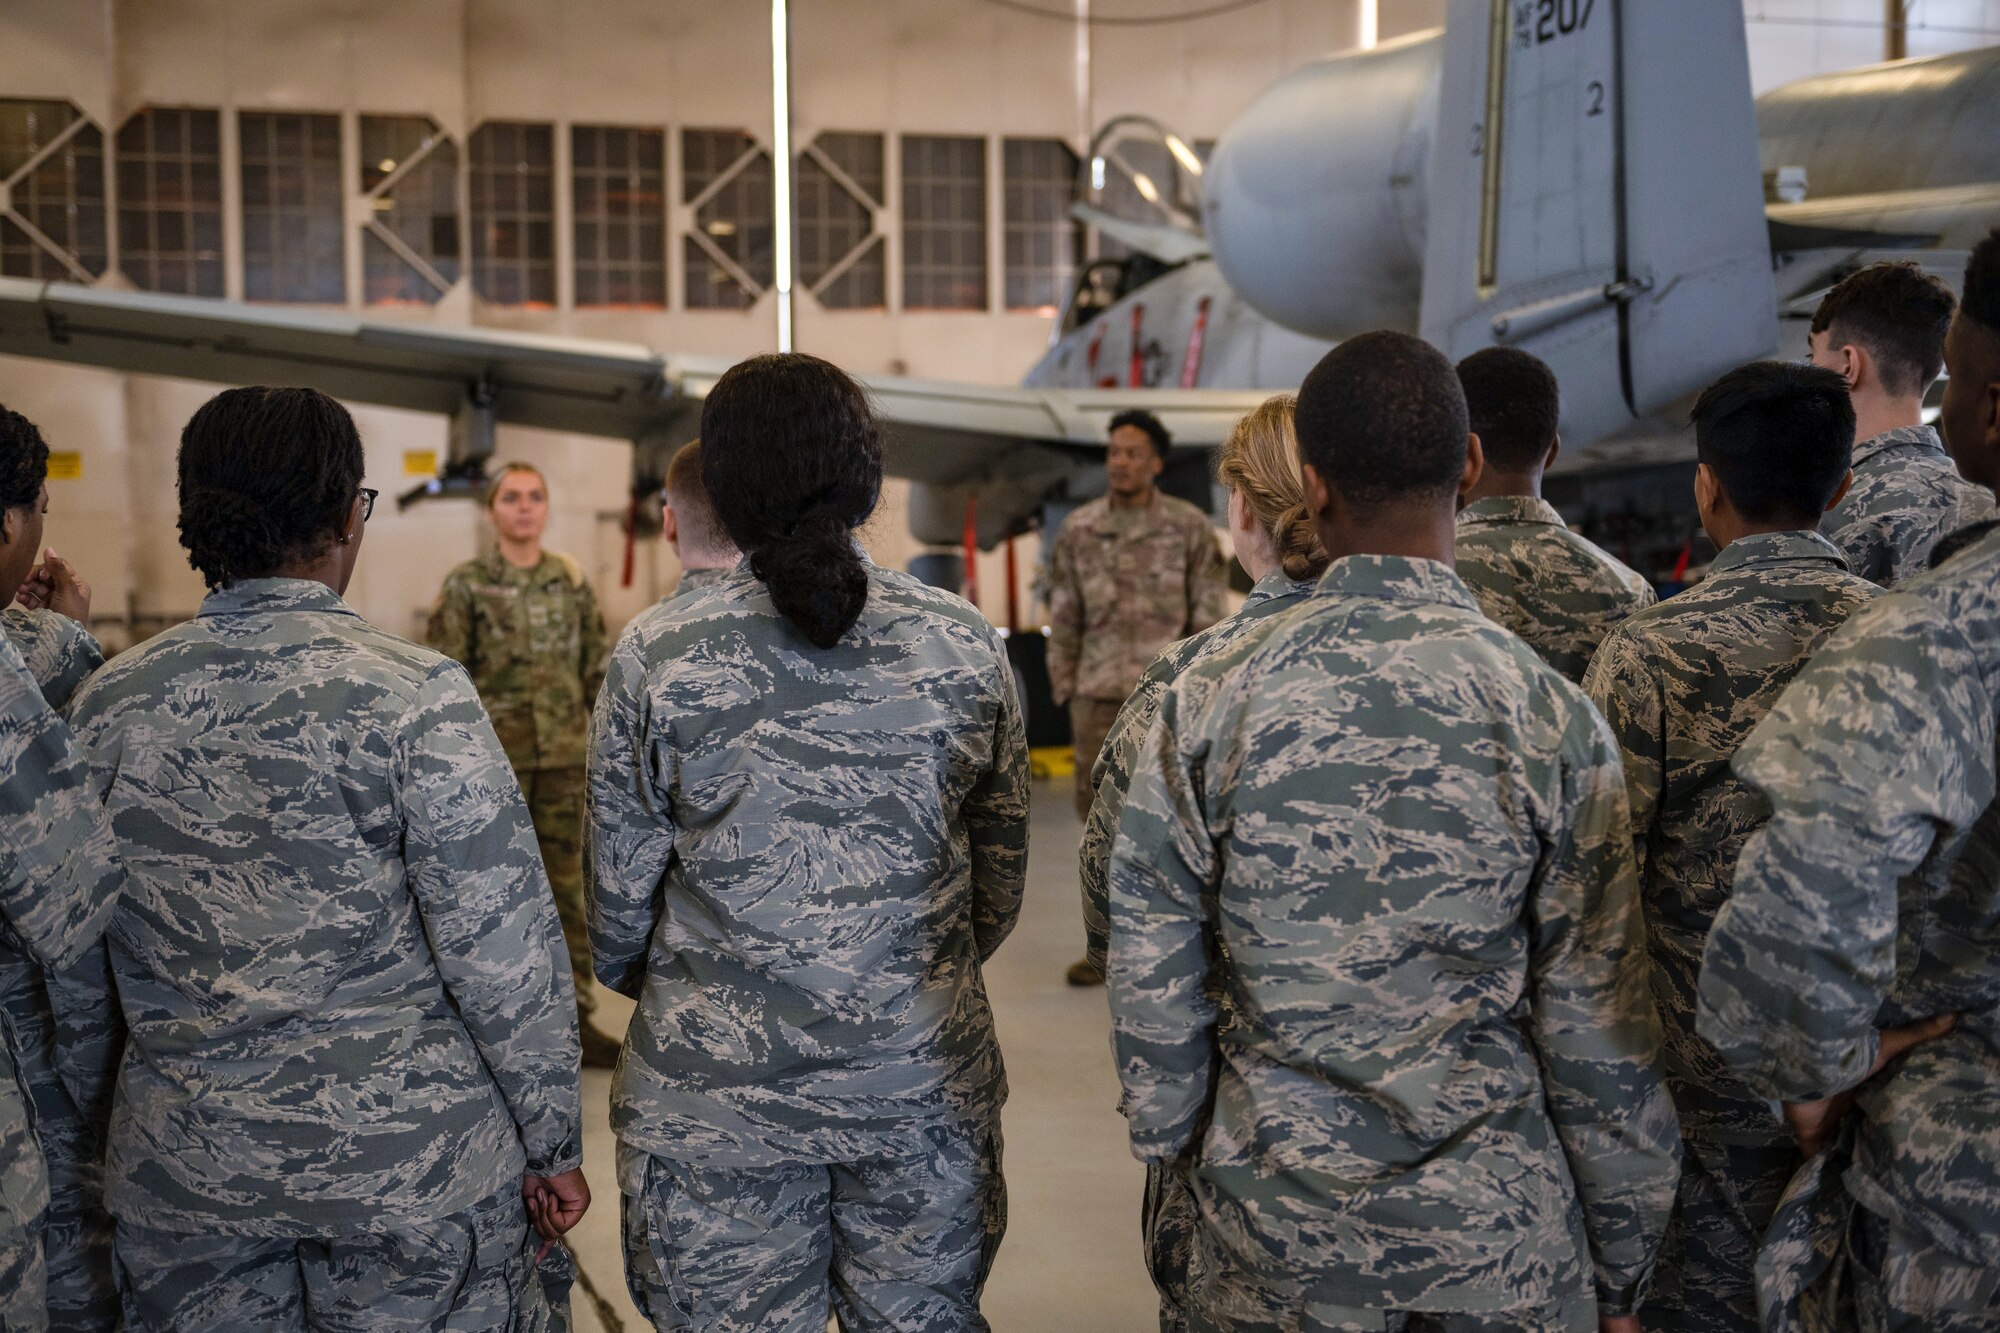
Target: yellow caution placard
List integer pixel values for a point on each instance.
(420, 462)
(65, 465)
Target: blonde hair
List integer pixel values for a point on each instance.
(1260, 462)
(507, 470)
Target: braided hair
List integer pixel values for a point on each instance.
(1260, 462)
(791, 457)
(267, 477)
(24, 462)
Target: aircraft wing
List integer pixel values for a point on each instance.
(1010, 446)
(596, 388)
(1955, 217)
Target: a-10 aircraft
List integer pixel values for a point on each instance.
(1585, 179)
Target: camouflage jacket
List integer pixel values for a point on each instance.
(1409, 836)
(348, 996)
(1871, 899)
(60, 879)
(798, 860)
(694, 580)
(1123, 584)
(535, 644)
(59, 653)
(1907, 493)
(1682, 684)
(1112, 774)
(63, 1028)
(1550, 586)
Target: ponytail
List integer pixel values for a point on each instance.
(791, 458)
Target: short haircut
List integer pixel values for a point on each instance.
(1515, 406)
(1382, 418)
(1900, 314)
(1163, 443)
(1982, 284)
(701, 530)
(24, 460)
(1779, 436)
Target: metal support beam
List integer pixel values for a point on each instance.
(1896, 44)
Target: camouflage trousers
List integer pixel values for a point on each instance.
(899, 1244)
(1222, 1297)
(473, 1271)
(1902, 1283)
(1706, 1278)
(1167, 1221)
(1829, 1265)
(555, 804)
(24, 1306)
(1089, 724)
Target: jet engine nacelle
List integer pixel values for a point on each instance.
(1315, 200)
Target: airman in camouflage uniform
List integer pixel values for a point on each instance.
(1168, 1210)
(1882, 330)
(535, 643)
(1907, 494)
(1473, 925)
(1869, 900)
(66, 1036)
(59, 882)
(351, 1033)
(1867, 912)
(1682, 684)
(1554, 588)
(799, 860)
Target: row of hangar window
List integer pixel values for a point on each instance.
(427, 218)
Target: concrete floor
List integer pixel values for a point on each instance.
(1071, 1261)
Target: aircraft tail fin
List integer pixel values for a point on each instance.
(1596, 198)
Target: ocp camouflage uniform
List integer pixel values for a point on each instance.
(1554, 588)
(1682, 684)
(1871, 899)
(66, 1035)
(1167, 1211)
(800, 861)
(60, 878)
(535, 643)
(1907, 494)
(1407, 838)
(1123, 584)
(350, 1030)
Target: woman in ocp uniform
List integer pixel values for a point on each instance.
(525, 623)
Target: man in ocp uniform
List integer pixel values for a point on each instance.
(1131, 573)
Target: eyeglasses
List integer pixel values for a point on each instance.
(368, 502)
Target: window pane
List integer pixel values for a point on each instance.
(420, 208)
(53, 161)
(618, 182)
(944, 222)
(735, 219)
(1042, 242)
(513, 213)
(836, 218)
(292, 208)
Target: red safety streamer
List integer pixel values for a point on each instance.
(1191, 363)
(972, 549)
(1138, 345)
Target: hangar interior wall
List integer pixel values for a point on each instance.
(622, 146)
